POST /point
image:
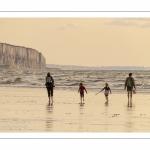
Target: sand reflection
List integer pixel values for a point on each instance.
(129, 123)
(49, 116)
(81, 116)
(106, 103)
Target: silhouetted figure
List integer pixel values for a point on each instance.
(107, 91)
(129, 84)
(49, 85)
(81, 90)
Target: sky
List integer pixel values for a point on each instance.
(82, 41)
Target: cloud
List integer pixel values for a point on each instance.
(121, 22)
(75, 25)
(138, 22)
(2, 22)
(61, 28)
(70, 26)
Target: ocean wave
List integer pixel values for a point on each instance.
(120, 80)
(71, 79)
(41, 79)
(17, 79)
(118, 85)
(139, 84)
(7, 82)
(94, 80)
(72, 84)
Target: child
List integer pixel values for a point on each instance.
(107, 90)
(81, 89)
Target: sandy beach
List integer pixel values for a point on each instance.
(28, 110)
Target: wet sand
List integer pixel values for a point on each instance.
(28, 110)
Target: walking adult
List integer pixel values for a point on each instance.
(130, 84)
(49, 85)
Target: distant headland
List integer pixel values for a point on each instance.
(70, 67)
(19, 57)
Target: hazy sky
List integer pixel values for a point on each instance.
(82, 41)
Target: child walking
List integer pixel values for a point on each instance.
(81, 90)
(107, 90)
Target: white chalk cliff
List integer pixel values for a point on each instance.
(13, 56)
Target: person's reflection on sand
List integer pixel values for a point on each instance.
(129, 123)
(106, 103)
(81, 117)
(105, 115)
(49, 119)
(82, 104)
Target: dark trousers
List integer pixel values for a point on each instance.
(50, 91)
(82, 94)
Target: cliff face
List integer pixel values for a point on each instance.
(21, 57)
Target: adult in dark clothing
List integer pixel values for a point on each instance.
(129, 85)
(49, 85)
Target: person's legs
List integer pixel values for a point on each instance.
(81, 96)
(49, 102)
(129, 90)
(131, 95)
(51, 91)
(128, 95)
(48, 91)
(131, 98)
(107, 98)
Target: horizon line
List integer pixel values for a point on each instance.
(98, 66)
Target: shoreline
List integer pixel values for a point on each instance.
(114, 91)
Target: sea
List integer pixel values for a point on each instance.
(93, 80)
